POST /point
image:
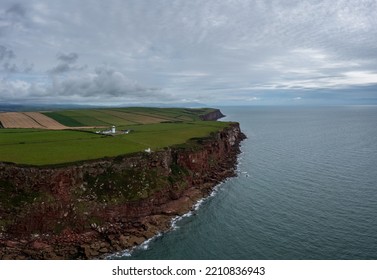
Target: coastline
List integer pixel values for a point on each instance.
(125, 226)
(173, 226)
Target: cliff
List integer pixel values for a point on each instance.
(86, 210)
(212, 116)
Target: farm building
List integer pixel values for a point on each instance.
(110, 131)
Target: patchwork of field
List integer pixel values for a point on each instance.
(92, 118)
(124, 116)
(65, 136)
(28, 120)
(49, 147)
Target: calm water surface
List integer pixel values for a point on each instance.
(306, 189)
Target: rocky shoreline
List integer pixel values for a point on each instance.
(70, 213)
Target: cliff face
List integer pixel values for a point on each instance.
(93, 208)
(212, 116)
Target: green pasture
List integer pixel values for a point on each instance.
(124, 116)
(48, 147)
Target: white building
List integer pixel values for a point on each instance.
(111, 131)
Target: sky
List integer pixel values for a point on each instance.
(229, 52)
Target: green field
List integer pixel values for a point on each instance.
(150, 128)
(125, 116)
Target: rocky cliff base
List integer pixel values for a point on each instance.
(91, 209)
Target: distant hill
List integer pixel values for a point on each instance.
(39, 107)
(9, 107)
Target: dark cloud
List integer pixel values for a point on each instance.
(10, 67)
(6, 53)
(65, 67)
(6, 58)
(68, 58)
(67, 64)
(8, 64)
(27, 67)
(13, 17)
(61, 68)
(16, 10)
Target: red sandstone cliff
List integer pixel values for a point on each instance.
(89, 209)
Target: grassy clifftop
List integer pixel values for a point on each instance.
(153, 128)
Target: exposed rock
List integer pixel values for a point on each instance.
(136, 240)
(103, 250)
(123, 240)
(38, 245)
(11, 244)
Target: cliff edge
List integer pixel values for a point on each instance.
(90, 209)
(212, 116)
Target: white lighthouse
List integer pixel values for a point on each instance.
(113, 129)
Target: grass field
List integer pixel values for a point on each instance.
(124, 116)
(48, 147)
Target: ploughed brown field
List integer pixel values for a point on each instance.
(28, 120)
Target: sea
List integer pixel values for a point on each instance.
(306, 188)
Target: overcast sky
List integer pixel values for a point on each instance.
(212, 52)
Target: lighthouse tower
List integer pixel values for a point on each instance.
(113, 129)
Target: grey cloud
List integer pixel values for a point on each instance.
(16, 10)
(10, 68)
(7, 58)
(61, 68)
(27, 67)
(66, 64)
(6, 53)
(13, 17)
(64, 68)
(241, 45)
(68, 58)
(103, 82)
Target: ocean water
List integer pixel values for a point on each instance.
(306, 189)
